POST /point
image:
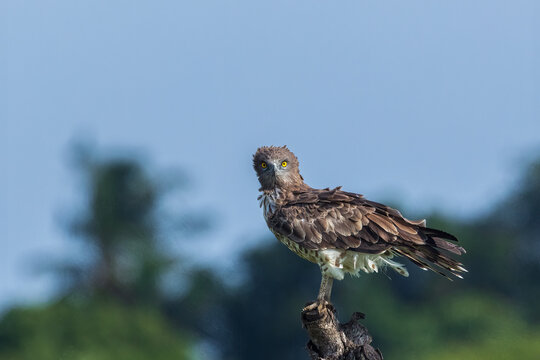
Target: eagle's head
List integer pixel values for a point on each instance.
(276, 167)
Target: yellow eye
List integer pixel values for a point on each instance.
(263, 165)
(284, 164)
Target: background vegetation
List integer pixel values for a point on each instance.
(116, 301)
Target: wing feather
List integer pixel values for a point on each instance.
(385, 223)
(322, 219)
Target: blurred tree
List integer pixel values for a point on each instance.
(519, 217)
(121, 231)
(259, 318)
(264, 313)
(121, 227)
(110, 307)
(202, 308)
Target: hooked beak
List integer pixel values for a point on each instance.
(272, 175)
(272, 169)
(268, 179)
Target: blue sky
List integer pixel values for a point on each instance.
(433, 104)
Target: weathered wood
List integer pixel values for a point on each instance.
(330, 340)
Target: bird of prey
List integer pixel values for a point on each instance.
(343, 232)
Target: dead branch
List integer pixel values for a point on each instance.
(330, 340)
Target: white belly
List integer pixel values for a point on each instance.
(337, 262)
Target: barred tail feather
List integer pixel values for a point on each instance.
(433, 255)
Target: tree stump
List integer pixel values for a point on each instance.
(330, 340)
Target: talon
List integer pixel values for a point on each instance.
(319, 306)
(310, 306)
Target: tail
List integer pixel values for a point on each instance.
(434, 253)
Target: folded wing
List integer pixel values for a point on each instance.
(335, 219)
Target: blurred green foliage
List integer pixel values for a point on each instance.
(115, 307)
(100, 330)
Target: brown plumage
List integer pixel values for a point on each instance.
(341, 231)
